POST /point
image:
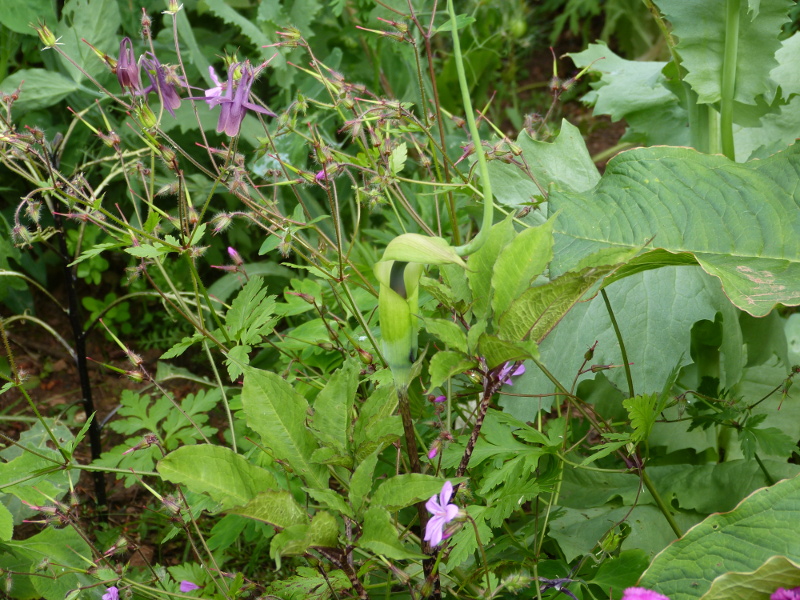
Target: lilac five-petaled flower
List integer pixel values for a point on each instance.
(443, 512)
(112, 593)
(234, 100)
(508, 371)
(637, 593)
(163, 81)
(188, 586)
(784, 594)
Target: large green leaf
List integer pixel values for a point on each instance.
(96, 21)
(701, 30)
(522, 260)
(333, 407)
(278, 509)
(564, 163)
(777, 572)
(765, 524)
(380, 536)
(18, 16)
(740, 221)
(278, 414)
(655, 311)
(636, 91)
(40, 88)
(56, 560)
(481, 265)
(404, 490)
(227, 477)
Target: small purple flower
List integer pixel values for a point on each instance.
(784, 594)
(112, 593)
(234, 101)
(163, 81)
(439, 399)
(127, 67)
(320, 176)
(188, 586)
(508, 371)
(443, 512)
(637, 593)
(235, 256)
(433, 451)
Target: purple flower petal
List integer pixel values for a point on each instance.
(637, 593)
(784, 594)
(188, 586)
(112, 593)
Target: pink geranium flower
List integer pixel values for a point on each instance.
(443, 512)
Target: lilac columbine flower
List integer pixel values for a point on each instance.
(637, 593)
(188, 586)
(442, 512)
(784, 594)
(127, 67)
(234, 101)
(508, 371)
(163, 81)
(112, 593)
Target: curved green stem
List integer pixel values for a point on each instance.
(488, 207)
(660, 502)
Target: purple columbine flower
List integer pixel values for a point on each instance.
(508, 371)
(784, 594)
(442, 512)
(188, 586)
(163, 81)
(637, 593)
(112, 593)
(127, 67)
(234, 100)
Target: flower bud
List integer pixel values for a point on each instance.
(127, 67)
(45, 35)
(146, 116)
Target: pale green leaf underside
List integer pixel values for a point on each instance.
(278, 414)
(741, 221)
(217, 471)
(765, 524)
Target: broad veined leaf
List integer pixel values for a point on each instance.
(522, 260)
(655, 311)
(404, 490)
(18, 16)
(447, 363)
(701, 29)
(740, 221)
(380, 536)
(40, 88)
(564, 163)
(333, 407)
(765, 524)
(278, 414)
(481, 264)
(227, 477)
(777, 572)
(278, 509)
(534, 314)
(96, 21)
(637, 91)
